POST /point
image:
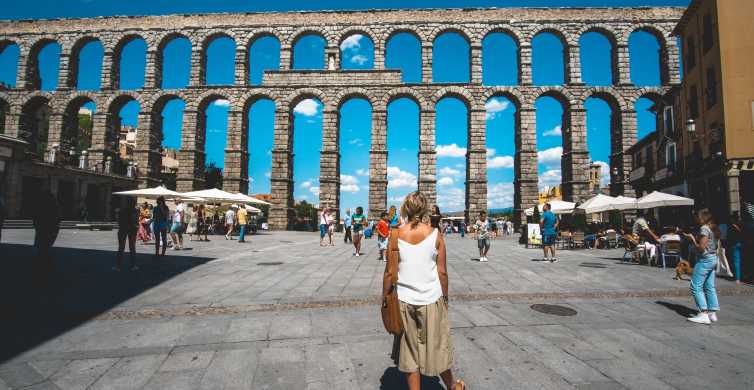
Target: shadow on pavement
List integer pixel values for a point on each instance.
(392, 379)
(682, 310)
(34, 309)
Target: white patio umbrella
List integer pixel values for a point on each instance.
(243, 198)
(624, 203)
(598, 204)
(252, 209)
(213, 195)
(154, 193)
(558, 207)
(660, 199)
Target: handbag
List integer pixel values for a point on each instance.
(723, 268)
(390, 308)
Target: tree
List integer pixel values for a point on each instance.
(213, 176)
(306, 215)
(535, 215)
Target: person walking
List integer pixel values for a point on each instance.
(703, 277)
(323, 222)
(243, 220)
(462, 228)
(128, 224)
(145, 217)
(230, 222)
(424, 347)
(383, 230)
(347, 221)
(160, 216)
(176, 230)
(436, 217)
(481, 226)
(549, 225)
(393, 217)
(202, 226)
(193, 222)
(735, 243)
(330, 226)
(359, 222)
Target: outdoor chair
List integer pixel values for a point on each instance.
(612, 240)
(670, 249)
(578, 240)
(631, 247)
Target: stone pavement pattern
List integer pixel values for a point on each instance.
(213, 318)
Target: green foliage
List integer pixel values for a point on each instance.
(213, 176)
(306, 215)
(614, 217)
(84, 137)
(579, 222)
(535, 216)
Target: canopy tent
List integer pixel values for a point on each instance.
(243, 198)
(154, 193)
(213, 195)
(624, 203)
(597, 204)
(558, 207)
(661, 199)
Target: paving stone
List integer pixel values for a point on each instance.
(187, 361)
(129, 373)
(80, 374)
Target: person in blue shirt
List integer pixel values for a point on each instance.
(549, 225)
(347, 226)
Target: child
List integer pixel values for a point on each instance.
(383, 230)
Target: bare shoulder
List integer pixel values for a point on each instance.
(415, 234)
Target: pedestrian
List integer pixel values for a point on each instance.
(128, 225)
(394, 218)
(202, 227)
(347, 227)
(735, 243)
(193, 222)
(435, 217)
(176, 229)
(323, 222)
(145, 217)
(330, 226)
(160, 216)
(424, 347)
(549, 224)
(243, 220)
(359, 222)
(46, 219)
(383, 230)
(230, 222)
(703, 277)
(462, 228)
(482, 226)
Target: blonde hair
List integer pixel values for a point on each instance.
(415, 208)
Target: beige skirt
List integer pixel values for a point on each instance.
(424, 345)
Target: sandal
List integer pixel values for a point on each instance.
(460, 385)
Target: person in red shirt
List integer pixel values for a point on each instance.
(383, 230)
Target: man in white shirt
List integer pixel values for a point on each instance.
(230, 222)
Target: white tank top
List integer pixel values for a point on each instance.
(418, 282)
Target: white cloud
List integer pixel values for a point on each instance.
(605, 171)
(447, 171)
(359, 59)
(549, 178)
(451, 150)
(396, 199)
(222, 103)
(352, 42)
(362, 172)
(550, 156)
(556, 131)
(491, 152)
(500, 195)
(307, 107)
(306, 184)
(314, 191)
(348, 179)
(268, 174)
(451, 199)
(500, 162)
(494, 106)
(460, 165)
(352, 188)
(445, 181)
(396, 178)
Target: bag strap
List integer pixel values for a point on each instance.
(394, 255)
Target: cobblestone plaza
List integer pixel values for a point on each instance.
(283, 313)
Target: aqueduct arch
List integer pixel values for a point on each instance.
(332, 86)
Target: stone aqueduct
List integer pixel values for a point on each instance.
(332, 87)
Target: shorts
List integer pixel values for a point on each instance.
(322, 230)
(357, 233)
(381, 243)
(483, 243)
(548, 239)
(176, 228)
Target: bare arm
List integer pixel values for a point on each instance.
(442, 268)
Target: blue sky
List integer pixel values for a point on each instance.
(403, 52)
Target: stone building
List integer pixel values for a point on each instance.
(333, 86)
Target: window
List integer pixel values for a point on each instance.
(690, 54)
(670, 156)
(669, 121)
(711, 90)
(708, 37)
(693, 103)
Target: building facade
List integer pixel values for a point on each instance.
(333, 86)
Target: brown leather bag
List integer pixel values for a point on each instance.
(390, 308)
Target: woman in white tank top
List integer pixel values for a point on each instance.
(424, 347)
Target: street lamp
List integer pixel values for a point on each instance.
(691, 126)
